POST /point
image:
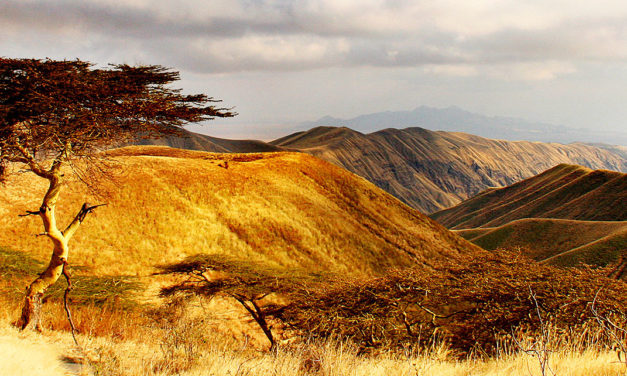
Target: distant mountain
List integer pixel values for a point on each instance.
(566, 215)
(435, 170)
(455, 119)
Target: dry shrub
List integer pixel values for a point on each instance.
(474, 305)
(478, 307)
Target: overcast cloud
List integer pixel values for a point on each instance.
(279, 61)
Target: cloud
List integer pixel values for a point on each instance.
(221, 36)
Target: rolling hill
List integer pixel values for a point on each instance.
(564, 192)
(285, 209)
(431, 170)
(196, 141)
(566, 215)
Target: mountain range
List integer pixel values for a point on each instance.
(431, 170)
(455, 119)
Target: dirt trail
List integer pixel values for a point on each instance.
(31, 354)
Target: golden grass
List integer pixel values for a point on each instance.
(189, 347)
(565, 192)
(288, 209)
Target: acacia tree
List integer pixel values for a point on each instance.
(57, 113)
(245, 281)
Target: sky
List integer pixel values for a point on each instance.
(280, 62)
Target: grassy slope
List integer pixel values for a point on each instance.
(435, 170)
(565, 192)
(566, 215)
(289, 209)
(545, 238)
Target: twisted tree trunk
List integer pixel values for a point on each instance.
(31, 311)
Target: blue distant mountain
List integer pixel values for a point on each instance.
(455, 119)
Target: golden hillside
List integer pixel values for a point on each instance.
(288, 209)
(567, 215)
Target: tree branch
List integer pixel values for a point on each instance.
(28, 159)
(78, 219)
(66, 274)
(29, 212)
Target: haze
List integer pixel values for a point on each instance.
(280, 62)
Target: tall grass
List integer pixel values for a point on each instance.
(187, 340)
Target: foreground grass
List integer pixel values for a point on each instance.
(30, 354)
(187, 344)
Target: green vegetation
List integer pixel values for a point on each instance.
(17, 268)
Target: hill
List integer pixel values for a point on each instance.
(564, 192)
(554, 239)
(285, 209)
(431, 170)
(566, 215)
(196, 141)
(455, 119)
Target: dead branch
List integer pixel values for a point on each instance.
(66, 306)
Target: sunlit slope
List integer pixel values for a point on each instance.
(545, 238)
(288, 209)
(564, 192)
(435, 170)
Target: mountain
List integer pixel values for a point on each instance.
(431, 170)
(284, 209)
(455, 119)
(566, 215)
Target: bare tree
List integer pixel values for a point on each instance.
(59, 113)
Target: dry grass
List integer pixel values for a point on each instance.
(543, 238)
(285, 209)
(188, 348)
(288, 209)
(567, 215)
(565, 192)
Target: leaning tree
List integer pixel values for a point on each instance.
(64, 113)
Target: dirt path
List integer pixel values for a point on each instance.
(31, 354)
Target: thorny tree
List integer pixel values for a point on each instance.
(247, 282)
(59, 113)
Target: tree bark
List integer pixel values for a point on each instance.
(31, 311)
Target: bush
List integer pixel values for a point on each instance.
(475, 305)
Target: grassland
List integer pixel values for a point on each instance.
(563, 192)
(130, 345)
(544, 238)
(284, 209)
(287, 209)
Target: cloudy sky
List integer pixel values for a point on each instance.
(285, 61)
